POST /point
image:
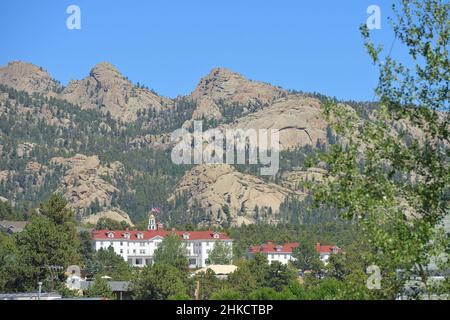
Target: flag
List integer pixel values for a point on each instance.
(156, 210)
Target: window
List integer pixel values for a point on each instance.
(140, 236)
(185, 236)
(138, 261)
(142, 244)
(110, 235)
(216, 235)
(121, 243)
(192, 262)
(121, 250)
(142, 251)
(134, 251)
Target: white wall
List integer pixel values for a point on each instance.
(281, 257)
(131, 249)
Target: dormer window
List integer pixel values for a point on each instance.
(140, 235)
(278, 248)
(110, 234)
(216, 235)
(126, 235)
(186, 236)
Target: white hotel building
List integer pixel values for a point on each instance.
(138, 247)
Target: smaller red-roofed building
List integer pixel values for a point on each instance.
(326, 251)
(274, 252)
(284, 253)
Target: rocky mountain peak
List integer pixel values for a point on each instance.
(105, 71)
(217, 81)
(107, 90)
(28, 77)
(223, 86)
(220, 74)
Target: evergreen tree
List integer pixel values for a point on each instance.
(172, 251)
(99, 288)
(158, 282)
(220, 254)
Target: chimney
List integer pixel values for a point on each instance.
(318, 246)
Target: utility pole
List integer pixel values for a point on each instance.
(197, 290)
(39, 290)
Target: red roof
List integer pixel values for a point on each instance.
(326, 249)
(147, 235)
(272, 247)
(288, 248)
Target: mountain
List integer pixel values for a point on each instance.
(107, 90)
(222, 88)
(87, 184)
(24, 76)
(104, 89)
(104, 143)
(225, 195)
(298, 120)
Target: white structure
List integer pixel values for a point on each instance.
(274, 252)
(138, 247)
(326, 251)
(220, 270)
(284, 252)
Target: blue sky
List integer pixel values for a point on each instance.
(169, 45)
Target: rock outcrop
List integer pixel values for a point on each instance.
(227, 195)
(106, 89)
(297, 179)
(5, 174)
(84, 183)
(298, 120)
(24, 149)
(28, 77)
(227, 87)
(113, 214)
(161, 141)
